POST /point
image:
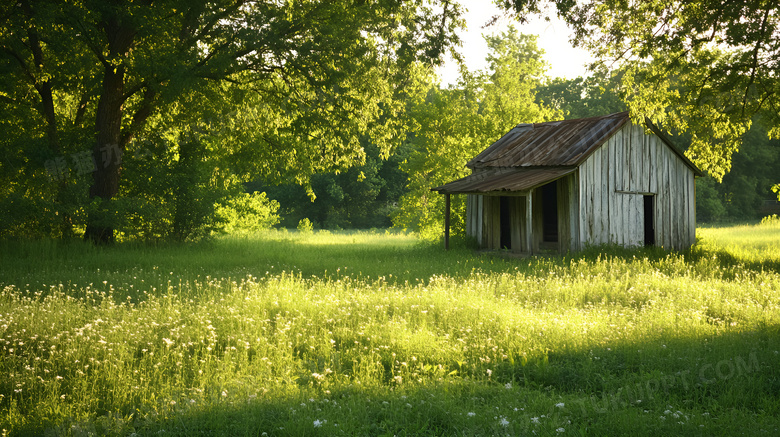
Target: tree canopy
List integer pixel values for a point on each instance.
(703, 66)
(299, 82)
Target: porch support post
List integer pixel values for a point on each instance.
(447, 222)
(529, 239)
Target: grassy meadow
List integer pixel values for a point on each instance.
(375, 333)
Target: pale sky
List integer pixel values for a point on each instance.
(565, 61)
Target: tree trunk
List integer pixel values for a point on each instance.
(108, 155)
(109, 147)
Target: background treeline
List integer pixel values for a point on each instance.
(361, 197)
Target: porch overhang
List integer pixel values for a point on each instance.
(504, 181)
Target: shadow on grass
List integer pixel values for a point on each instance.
(395, 261)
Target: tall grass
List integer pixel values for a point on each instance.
(376, 334)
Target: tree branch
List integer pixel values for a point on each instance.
(134, 89)
(82, 108)
(139, 118)
(208, 27)
(91, 45)
(44, 88)
(20, 60)
(754, 67)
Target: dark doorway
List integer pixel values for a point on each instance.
(550, 212)
(649, 220)
(506, 223)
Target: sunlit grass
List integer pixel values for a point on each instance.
(747, 243)
(373, 333)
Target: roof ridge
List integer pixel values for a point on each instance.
(551, 143)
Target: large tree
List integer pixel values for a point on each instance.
(701, 66)
(321, 74)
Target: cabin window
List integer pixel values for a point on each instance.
(649, 220)
(550, 212)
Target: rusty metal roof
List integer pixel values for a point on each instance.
(555, 143)
(504, 179)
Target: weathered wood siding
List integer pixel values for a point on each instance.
(517, 213)
(483, 218)
(568, 214)
(474, 217)
(537, 223)
(613, 181)
(492, 230)
(483, 221)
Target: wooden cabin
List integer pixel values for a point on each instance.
(563, 185)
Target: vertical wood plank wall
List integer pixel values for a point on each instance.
(639, 163)
(483, 221)
(474, 205)
(517, 217)
(568, 213)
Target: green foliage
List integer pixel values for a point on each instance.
(593, 96)
(771, 220)
(305, 226)
(749, 183)
(447, 138)
(709, 202)
(361, 197)
(715, 136)
(248, 213)
(175, 179)
(454, 125)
